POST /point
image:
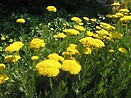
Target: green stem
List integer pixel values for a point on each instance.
(51, 85)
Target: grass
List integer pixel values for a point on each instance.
(103, 74)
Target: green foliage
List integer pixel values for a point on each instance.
(103, 74)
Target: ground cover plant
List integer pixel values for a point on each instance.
(55, 55)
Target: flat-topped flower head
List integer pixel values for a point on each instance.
(115, 35)
(72, 66)
(59, 36)
(122, 50)
(124, 11)
(2, 66)
(86, 18)
(71, 32)
(51, 9)
(115, 4)
(92, 42)
(20, 20)
(3, 78)
(76, 19)
(37, 43)
(125, 19)
(14, 47)
(80, 28)
(11, 58)
(35, 57)
(49, 68)
(55, 56)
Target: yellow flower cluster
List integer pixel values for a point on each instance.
(115, 35)
(123, 50)
(20, 20)
(111, 50)
(51, 9)
(11, 58)
(80, 28)
(125, 19)
(3, 77)
(2, 66)
(49, 68)
(124, 11)
(14, 47)
(119, 14)
(115, 4)
(93, 20)
(55, 56)
(86, 18)
(37, 43)
(71, 51)
(76, 19)
(71, 32)
(72, 66)
(105, 32)
(90, 43)
(59, 35)
(107, 26)
(34, 57)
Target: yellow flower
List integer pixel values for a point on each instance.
(125, 18)
(106, 26)
(52, 29)
(2, 66)
(48, 63)
(76, 19)
(49, 68)
(114, 35)
(111, 50)
(3, 78)
(86, 18)
(98, 27)
(80, 24)
(73, 46)
(92, 42)
(72, 66)
(60, 35)
(123, 50)
(11, 58)
(71, 50)
(51, 9)
(119, 15)
(80, 28)
(55, 56)
(90, 33)
(14, 47)
(115, 4)
(11, 40)
(20, 20)
(34, 57)
(3, 38)
(93, 19)
(49, 72)
(37, 43)
(102, 32)
(87, 50)
(109, 16)
(124, 11)
(71, 32)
